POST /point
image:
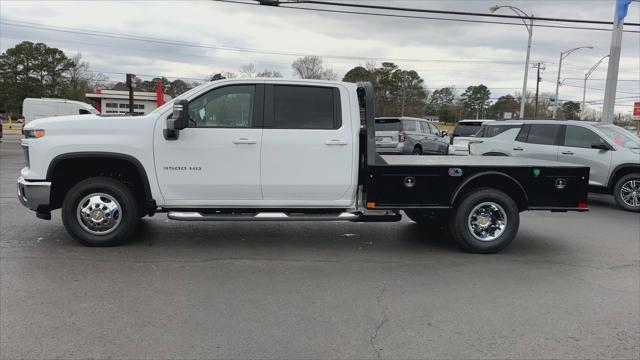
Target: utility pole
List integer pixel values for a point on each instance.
(539, 66)
(130, 78)
(610, 88)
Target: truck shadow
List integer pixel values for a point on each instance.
(390, 238)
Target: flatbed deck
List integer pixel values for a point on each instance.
(480, 161)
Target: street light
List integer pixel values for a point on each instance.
(523, 15)
(586, 76)
(563, 54)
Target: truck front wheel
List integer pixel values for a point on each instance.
(100, 211)
(485, 221)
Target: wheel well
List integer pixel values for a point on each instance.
(620, 172)
(66, 172)
(497, 181)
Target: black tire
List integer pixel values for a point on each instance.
(619, 193)
(417, 151)
(127, 212)
(459, 222)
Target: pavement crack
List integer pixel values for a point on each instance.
(372, 339)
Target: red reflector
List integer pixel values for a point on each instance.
(401, 137)
(582, 205)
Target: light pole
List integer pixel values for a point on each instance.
(563, 55)
(523, 16)
(586, 76)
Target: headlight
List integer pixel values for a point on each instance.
(33, 133)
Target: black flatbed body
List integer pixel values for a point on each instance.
(439, 182)
(436, 182)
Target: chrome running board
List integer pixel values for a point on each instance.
(279, 216)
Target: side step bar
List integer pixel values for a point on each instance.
(281, 216)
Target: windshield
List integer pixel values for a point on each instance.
(169, 104)
(620, 136)
(387, 124)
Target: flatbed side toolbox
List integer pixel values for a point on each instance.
(439, 183)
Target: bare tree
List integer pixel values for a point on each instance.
(311, 67)
(269, 74)
(248, 71)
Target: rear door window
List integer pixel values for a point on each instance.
(493, 130)
(305, 107)
(410, 125)
(543, 134)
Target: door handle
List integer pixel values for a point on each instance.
(244, 141)
(518, 148)
(567, 152)
(335, 142)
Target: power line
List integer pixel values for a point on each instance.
(235, 49)
(425, 17)
(448, 12)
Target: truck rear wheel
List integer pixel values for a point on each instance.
(100, 211)
(486, 221)
(627, 192)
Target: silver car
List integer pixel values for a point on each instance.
(409, 136)
(612, 153)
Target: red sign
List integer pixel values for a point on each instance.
(636, 109)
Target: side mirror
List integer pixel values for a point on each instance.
(600, 145)
(178, 120)
(444, 133)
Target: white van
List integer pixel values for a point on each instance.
(33, 108)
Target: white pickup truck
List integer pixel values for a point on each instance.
(269, 149)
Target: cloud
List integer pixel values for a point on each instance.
(499, 48)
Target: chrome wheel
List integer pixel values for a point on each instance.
(487, 221)
(99, 213)
(630, 193)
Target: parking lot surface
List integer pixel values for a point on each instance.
(568, 287)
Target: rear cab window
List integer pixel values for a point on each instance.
(306, 107)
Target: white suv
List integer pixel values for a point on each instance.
(612, 153)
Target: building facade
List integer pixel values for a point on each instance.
(113, 102)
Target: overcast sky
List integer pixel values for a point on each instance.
(443, 52)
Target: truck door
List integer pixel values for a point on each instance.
(307, 146)
(216, 160)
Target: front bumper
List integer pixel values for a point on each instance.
(34, 194)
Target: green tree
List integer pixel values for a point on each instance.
(571, 110)
(440, 98)
(448, 114)
(31, 70)
(475, 99)
(397, 92)
(504, 104)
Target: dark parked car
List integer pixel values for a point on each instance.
(409, 136)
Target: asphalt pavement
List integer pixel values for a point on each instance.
(567, 287)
